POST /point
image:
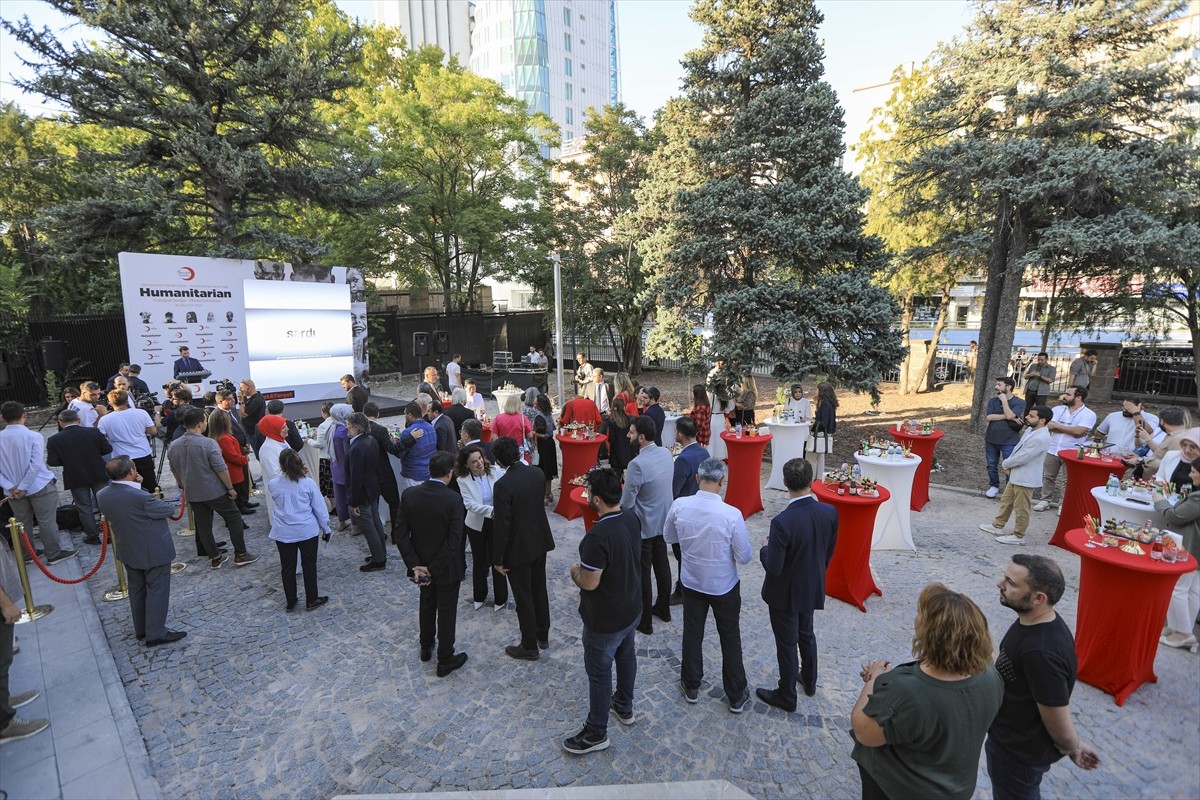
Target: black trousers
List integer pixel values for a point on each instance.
(202, 516)
(145, 468)
(438, 612)
(481, 566)
(654, 556)
(528, 584)
(727, 614)
(796, 650)
(308, 563)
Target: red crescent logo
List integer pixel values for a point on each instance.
(231, 358)
(178, 334)
(229, 346)
(186, 273)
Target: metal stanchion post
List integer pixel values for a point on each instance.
(122, 590)
(190, 528)
(176, 566)
(31, 612)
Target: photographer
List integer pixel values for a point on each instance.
(1004, 412)
(137, 386)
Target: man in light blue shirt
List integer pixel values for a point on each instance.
(712, 540)
(28, 482)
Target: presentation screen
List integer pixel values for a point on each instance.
(293, 329)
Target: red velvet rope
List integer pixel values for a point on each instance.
(182, 506)
(55, 578)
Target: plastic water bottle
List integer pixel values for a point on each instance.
(1113, 486)
(857, 472)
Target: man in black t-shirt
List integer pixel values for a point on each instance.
(1037, 661)
(609, 576)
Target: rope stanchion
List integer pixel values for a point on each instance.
(190, 528)
(177, 566)
(37, 562)
(122, 590)
(31, 612)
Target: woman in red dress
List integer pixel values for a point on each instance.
(702, 414)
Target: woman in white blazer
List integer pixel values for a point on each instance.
(476, 478)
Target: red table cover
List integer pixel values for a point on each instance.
(1122, 605)
(487, 434)
(744, 491)
(589, 514)
(922, 446)
(1083, 475)
(848, 576)
(578, 456)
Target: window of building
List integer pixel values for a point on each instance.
(567, 42)
(568, 93)
(567, 67)
(570, 116)
(582, 42)
(567, 17)
(570, 135)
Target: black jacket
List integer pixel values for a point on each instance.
(429, 530)
(362, 457)
(80, 452)
(798, 550)
(522, 532)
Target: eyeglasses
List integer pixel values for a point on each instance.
(91, 386)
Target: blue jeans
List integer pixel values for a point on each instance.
(600, 650)
(996, 453)
(1012, 779)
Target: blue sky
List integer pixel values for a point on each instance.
(865, 40)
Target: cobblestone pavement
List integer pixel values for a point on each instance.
(259, 703)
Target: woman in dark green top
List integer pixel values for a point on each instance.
(919, 728)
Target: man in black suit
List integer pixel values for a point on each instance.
(428, 533)
(796, 554)
(143, 543)
(522, 536)
(472, 430)
(362, 456)
(80, 452)
(458, 411)
(388, 488)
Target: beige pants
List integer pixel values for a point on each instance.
(1020, 499)
(1051, 466)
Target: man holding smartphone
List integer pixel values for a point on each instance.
(1004, 413)
(1120, 428)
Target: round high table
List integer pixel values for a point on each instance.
(668, 429)
(578, 456)
(1123, 508)
(790, 438)
(848, 576)
(311, 457)
(745, 471)
(589, 514)
(893, 523)
(716, 445)
(923, 446)
(1083, 475)
(1122, 603)
(501, 395)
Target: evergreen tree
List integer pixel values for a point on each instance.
(1055, 120)
(217, 104)
(773, 238)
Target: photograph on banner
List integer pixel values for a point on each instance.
(293, 329)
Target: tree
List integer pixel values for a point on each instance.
(776, 227)
(1058, 118)
(930, 250)
(217, 102)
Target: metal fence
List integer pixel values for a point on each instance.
(1166, 373)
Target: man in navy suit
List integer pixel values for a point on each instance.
(684, 483)
(187, 368)
(143, 543)
(796, 554)
(428, 533)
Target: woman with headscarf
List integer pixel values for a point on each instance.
(1175, 464)
(1184, 518)
(324, 443)
(274, 441)
(338, 440)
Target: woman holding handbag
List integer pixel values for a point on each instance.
(476, 479)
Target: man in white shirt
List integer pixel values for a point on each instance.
(712, 540)
(1120, 427)
(127, 429)
(454, 372)
(88, 404)
(1072, 423)
(27, 481)
(599, 391)
(475, 400)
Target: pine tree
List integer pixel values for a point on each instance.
(773, 238)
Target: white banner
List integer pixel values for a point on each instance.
(293, 331)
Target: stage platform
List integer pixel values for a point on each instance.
(310, 410)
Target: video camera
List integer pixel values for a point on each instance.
(146, 402)
(225, 385)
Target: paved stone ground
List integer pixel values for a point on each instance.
(259, 703)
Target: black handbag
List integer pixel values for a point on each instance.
(68, 519)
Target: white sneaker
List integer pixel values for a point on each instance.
(988, 527)
(991, 492)
(1010, 539)
(1042, 506)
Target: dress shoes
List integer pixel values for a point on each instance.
(315, 604)
(456, 661)
(168, 637)
(663, 614)
(426, 652)
(91, 540)
(246, 510)
(518, 652)
(543, 644)
(645, 629)
(249, 504)
(771, 697)
(291, 606)
(373, 566)
(677, 596)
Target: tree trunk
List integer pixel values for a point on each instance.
(906, 317)
(631, 354)
(1003, 293)
(921, 378)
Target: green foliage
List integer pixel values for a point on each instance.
(772, 236)
(672, 338)
(53, 388)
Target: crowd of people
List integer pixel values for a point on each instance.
(919, 728)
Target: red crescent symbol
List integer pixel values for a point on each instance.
(191, 273)
(203, 341)
(147, 327)
(201, 327)
(229, 346)
(178, 334)
(231, 358)
(149, 342)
